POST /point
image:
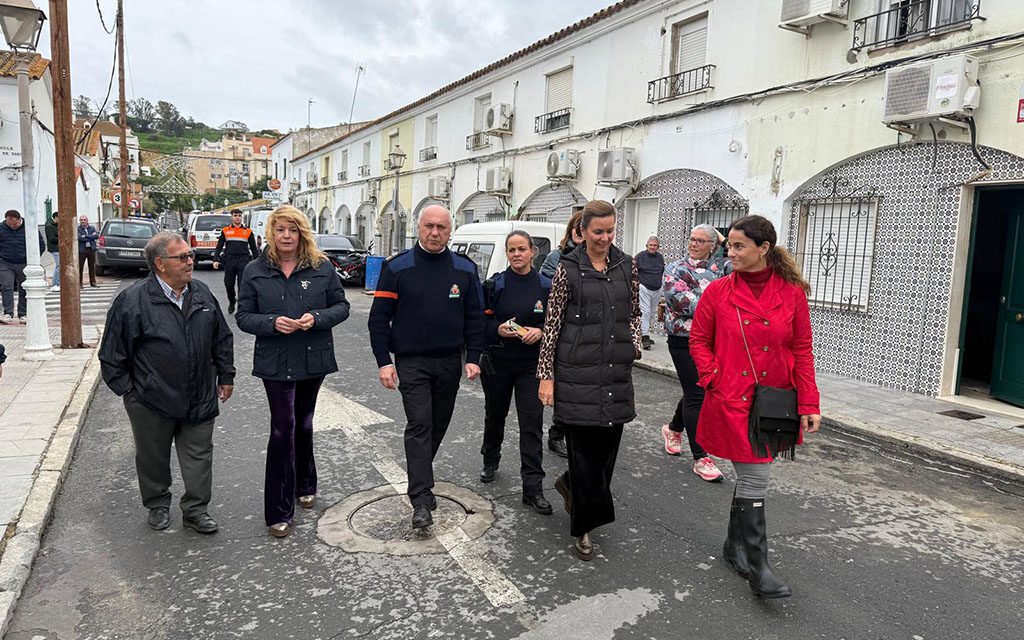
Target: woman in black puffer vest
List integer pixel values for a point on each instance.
(591, 338)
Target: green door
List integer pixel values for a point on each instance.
(1008, 363)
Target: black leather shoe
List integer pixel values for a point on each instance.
(538, 503)
(646, 343)
(487, 473)
(433, 504)
(159, 518)
(558, 446)
(421, 517)
(202, 523)
(562, 487)
(231, 307)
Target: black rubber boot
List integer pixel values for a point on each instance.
(754, 533)
(733, 551)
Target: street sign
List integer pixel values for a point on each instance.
(134, 203)
(271, 195)
(274, 184)
(116, 197)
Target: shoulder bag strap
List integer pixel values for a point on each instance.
(743, 334)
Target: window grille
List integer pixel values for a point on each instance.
(900, 21)
(836, 249)
(720, 211)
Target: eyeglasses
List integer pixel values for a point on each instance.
(184, 257)
(700, 240)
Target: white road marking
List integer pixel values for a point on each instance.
(335, 411)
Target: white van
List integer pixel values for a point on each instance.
(258, 222)
(484, 242)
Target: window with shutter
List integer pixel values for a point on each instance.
(559, 90)
(689, 45)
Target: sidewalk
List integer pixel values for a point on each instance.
(992, 443)
(41, 407)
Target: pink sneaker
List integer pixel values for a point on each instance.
(673, 440)
(706, 469)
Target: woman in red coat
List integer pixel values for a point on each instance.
(765, 301)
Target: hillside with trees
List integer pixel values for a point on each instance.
(160, 127)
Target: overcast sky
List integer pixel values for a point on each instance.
(259, 61)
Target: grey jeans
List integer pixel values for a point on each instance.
(193, 441)
(11, 277)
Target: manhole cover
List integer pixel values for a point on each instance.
(380, 521)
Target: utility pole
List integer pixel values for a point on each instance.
(67, 198)
(126, 193)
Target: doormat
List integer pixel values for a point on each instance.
(961, 414)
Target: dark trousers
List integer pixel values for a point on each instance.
(592, 455)
(87, 255)
(193, 441)
(11, 278)
(688, 408)
(498, 390)
(233, 268)
(556, 432)
(291, 468)
(428, 386)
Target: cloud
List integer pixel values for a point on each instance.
(259, 61)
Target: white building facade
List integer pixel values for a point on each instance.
(687, 111)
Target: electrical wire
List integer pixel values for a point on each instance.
(102, 22)
(110, 87)
(974, 143)
(935, 147)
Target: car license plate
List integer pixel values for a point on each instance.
(129, 253)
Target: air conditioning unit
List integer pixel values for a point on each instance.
(942, 88)
(616, 166)
(563, 165)
(437, 187)
(498, 121)
(368, 192)
(498, 180)
(799, 15)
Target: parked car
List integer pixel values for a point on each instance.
(258, 222)
(484, 243)
(121, 243)
(203, 233)
(347, 254)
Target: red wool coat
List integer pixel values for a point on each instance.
(778, 330)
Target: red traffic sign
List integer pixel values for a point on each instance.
(274, 184)
(134, 203)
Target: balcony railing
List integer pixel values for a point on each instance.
(477, 141)
(342, 176)
(428, 153)
(552, 121)
(363, 170)
(324, 181)
(912, 20)
(679, 84)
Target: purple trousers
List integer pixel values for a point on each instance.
(291, 469)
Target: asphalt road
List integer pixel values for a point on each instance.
(874, 545)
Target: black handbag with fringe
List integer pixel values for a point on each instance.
(773, 426)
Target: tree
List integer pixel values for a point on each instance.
(141, 115)
(259, 187)
(82, 106)
(171, 122)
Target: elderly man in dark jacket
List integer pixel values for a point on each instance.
(13, 260)
(168, 352)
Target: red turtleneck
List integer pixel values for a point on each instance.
(756, 280)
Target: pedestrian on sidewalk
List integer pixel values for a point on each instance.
(753, 327)
(650, 264)
(684, 282)
(87, 237)
(290, 299)
(236, 247)
(53, 247)
(13, 260)
(591, 338)
(573, 236)
(514, 304)
(168, 352)
(427, 310)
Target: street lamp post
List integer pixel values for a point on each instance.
(22, 24)
(395, 160)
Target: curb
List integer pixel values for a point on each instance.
(894, 441)
(23, 546)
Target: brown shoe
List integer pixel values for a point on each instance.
(281, 529)
(584, 548)
(307, 502)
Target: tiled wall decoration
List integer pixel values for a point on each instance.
(897, 342)
(552, 203)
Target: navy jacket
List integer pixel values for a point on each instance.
(12, 244)
(266, 294)
(87, 237)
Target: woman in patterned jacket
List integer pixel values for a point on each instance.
(683, 282)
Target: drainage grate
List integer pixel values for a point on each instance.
(961, 414)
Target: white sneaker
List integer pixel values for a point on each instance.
(22, 320)
(6, 319)
(55, 287)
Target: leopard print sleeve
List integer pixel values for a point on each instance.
(634, 320)
(557, 301)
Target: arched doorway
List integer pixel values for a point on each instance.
(424, 203)
(669, 204)
(364, 226)
(324, 222)
(554, 202)
(392, 230)
(481, 207)
(343, 221)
